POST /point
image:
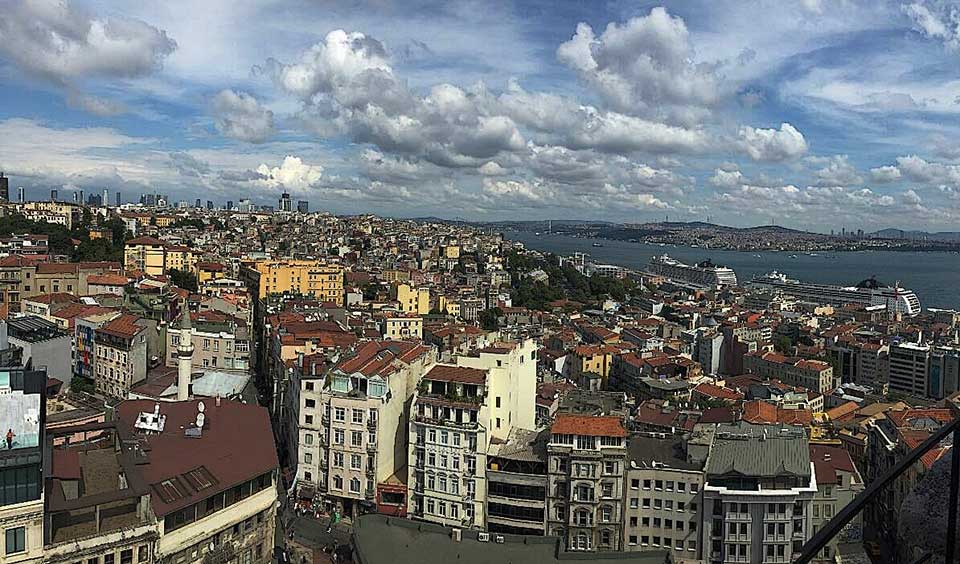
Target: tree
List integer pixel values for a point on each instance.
(81, 384)
(183, 279)
(782, 343)
(490, 318)
(97, 250)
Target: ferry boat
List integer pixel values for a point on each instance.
(705, 273)
(869, 292)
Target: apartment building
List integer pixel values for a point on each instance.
(214, 494)
(413, 300)
(814, 375)
(586, 463)
(909, 366)
(24, 277)
(120, 360)
(145, 254)
(757, 495)
(838, 482)
(517, 483)
(512, 383)
(179, 257)
(349, 425)
(84, 340)
(664, 496)
(449, 436)
(220, 342)
(401, 326)
(22, 418)
(307, 277)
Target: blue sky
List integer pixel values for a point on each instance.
(816, 114)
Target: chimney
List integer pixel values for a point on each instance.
(184, 355)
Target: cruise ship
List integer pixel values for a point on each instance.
(704, 274)
(867, 293)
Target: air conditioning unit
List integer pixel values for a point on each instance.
(499, 539)
(456, 535)
(483, 537)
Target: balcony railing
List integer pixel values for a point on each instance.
(845, 515)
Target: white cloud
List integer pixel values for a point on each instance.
(240, 116)
(293, 175)
(938, 21)
(726, 179)
(645, 65)
(835, 171)
(66, 45)
(772, 144)
(885, 174)
(918, 169)
(491, 168)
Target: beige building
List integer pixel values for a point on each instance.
(814, 375)
(412, 300)
(308, 277)
(663, 498)
(146, 254)
(219, 342)
(401, 326)
(838, 482)
(350, 434)
(120, 355)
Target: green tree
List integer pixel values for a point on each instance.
(782, 343)
(183, 279)
(489, 318)
(97, 250)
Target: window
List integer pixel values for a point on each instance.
(498, 402)
(444, 437)
(338, 460)
(126, 556)
(634, 484)
(308, 419)
(694, 488)
(432, 435)
(109, 558)
(356, 462)
(338, 436)
(633, 540)
(308, 439)
(605, 537)
(607, 489)
(356, 438)
(634, 502)
(658, 485)
(16, 540)
(143, 554)
(606, 513)
(681, 486)
(355, 485)
(339, 414)
(646, 503)
(456, 439)
(646, 484)
(358, 416)
(669, 486)
(583, 518)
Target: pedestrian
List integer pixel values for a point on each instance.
(10, 436)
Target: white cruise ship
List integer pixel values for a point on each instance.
(704, 274)
(867, 293)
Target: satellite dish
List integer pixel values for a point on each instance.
(201, 407)
(200, 418)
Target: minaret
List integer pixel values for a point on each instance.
(184, 355)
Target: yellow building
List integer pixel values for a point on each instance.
(209, 271)
(179, 257)
(164, 220)
(413, 300)
(308, 277)
(146, 254)
(451, 251)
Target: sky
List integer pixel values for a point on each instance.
(812, 114)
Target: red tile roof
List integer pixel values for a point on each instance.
(380, 358)
(460, 374)
(153, 241)
(55, 298)
(713, 391)
(108, 279)
(124, 326)
(588, 425)
(236, 446)
(829, 461)
(57, 268)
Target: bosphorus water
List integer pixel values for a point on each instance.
(934, 276)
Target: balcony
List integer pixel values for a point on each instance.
(371, 448)
(372, 424)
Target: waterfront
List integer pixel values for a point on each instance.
(934, 276)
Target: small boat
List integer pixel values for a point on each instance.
(597, 244)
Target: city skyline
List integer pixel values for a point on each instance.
(817, 114)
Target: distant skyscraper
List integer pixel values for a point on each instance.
(81, 195)
(105, 200)
(118, 199)
(229, 204)
(303, 206)
(53, 195)
(4, 188)
(197, 204)
(76, 197)
(286, 204)
(209, 204)
(21, 196)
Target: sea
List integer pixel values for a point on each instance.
(933, 276)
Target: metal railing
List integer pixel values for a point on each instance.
(826, 533)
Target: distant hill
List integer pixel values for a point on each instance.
(892, 233)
